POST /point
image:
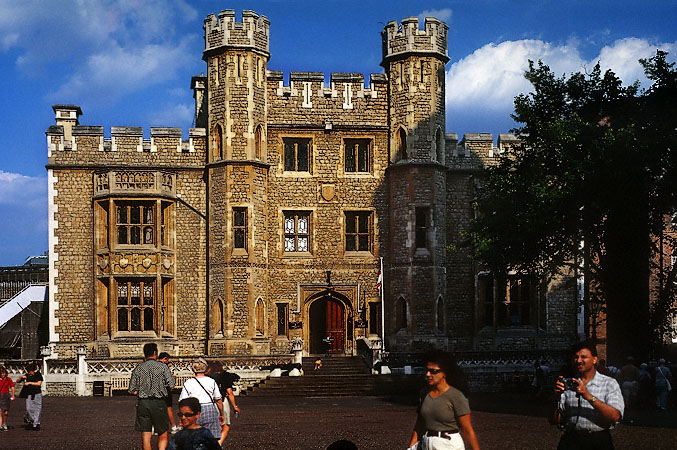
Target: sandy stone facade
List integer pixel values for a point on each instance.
(270, 222)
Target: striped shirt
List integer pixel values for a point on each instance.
(151, 379)
(580, 415)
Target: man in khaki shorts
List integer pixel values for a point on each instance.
(150, 381)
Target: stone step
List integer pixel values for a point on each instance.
(332, 386)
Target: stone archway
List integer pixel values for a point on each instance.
(327, 319)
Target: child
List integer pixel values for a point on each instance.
(6, 385)
(192, 436)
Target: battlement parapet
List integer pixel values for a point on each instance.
(342, 86)
(477, 150)
(162, 139)
(224, 32)
(401, 40)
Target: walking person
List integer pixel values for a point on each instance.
(164, 358)
(6, 397)
(629, 381)
(443, 420)
(150, 382)
(32, 392)
(225, 383)
(662, 385)
(207, 392)
(588, 406)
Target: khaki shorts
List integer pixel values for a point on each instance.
(151, 413)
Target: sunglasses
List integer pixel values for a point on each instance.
(186, 414)
(433, 371)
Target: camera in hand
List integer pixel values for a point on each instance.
(570, 384)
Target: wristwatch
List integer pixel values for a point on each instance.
(592, 400)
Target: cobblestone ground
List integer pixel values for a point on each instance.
(312, 423)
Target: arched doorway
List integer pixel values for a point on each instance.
(327, 319)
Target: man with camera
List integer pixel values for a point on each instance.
(589, 405)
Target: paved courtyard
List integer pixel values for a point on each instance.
(311, 423)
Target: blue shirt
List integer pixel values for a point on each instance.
(576, 413)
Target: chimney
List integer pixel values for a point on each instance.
(67, 116)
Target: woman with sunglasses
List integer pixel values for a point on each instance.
(443, 420)
(192, 436)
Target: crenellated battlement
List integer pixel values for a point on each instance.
(124, 139)
(224, 32)
(399, 40)
(342, 86)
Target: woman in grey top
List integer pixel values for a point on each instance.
(443, 420)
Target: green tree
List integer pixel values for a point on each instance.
(593, 179)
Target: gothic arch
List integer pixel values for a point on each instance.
(400, 145)
(218, 318)
(259, 143)
(217, 143)
(259, 317)
(401, 313)
(439, 146)
(439, 313)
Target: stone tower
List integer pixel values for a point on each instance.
(237, 55)
(414, 61)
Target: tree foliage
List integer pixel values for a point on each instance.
(593, 179)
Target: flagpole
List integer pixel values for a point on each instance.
(383, 310)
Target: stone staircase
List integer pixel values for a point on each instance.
(339, 376)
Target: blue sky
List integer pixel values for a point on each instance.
(129, 63)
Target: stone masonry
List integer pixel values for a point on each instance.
(270, 222)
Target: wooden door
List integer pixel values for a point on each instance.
(335, 325)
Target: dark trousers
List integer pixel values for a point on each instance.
(582, 440)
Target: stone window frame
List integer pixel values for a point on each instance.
(399, 147)
(370, 233)
(282, 311)
(422, 227)
(240, 228)
(259, 317)
(296, 139)
(439, 313)
(401, 314)
(368, 152)
(259, 143)
(142, 307)
(374, 317)
(496, 297)
(106, 224)
(217, 142)
(288, 233)
(143, 228)
(438, 146)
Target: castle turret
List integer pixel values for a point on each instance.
(414, 61)
(237, 55)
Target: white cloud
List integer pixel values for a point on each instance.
(622, 56)
(108, 75)
(173, 115)
(485, 83)
(442, 14)
(493, 75)
(105, 47)
(17, 189)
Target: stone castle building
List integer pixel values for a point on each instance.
(270, 222)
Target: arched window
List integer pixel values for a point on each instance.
(440, 313)
(217, 143)
(439, 146)
(260, 329)
(258, 142)
(401, 144)
(401, 314)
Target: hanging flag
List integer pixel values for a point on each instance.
(379, 283)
